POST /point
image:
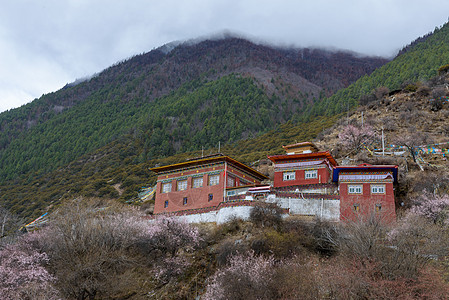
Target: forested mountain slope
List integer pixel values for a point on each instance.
(180, 100)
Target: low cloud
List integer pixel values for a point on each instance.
(46, 44)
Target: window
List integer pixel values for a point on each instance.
(182, 185)
(214, 179)
(309, 174)
(211, 197)
(231, 181)
(231, 193)
(356, 207)
(355, 189)
(377, 189)
(197, 182)
(166, 187)
(184, 201)
(289, 176)
(166, 204)
(378, 207)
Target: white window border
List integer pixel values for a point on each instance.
(169, 184)
(179, 187)
(213, 182)
(286, 177)
(197, 178)
(355, 186)
(378, 186)
(312, 172)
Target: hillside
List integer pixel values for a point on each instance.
(417, 62)
(164, 95)
(413, 118)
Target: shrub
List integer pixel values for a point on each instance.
(246, 277)
(93, 248)
(443, 69)
(411, 88)
(279, 244)
(228, 248)
(266, 214)
(423, 91)
(361, 279)
(297, 278)
(432, 207)
(23, 274)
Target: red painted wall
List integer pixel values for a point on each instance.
(196, 197)
(367, 202)
(300, 178)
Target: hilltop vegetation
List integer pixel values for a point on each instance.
(418, 62)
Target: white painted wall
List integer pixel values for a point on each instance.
(225, 214)
(321, 208)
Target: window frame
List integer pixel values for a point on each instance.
(184, 185)
(231, 180)
(289, 175)
(212, 181)
(313, 172)
(377, 186)
(195, 179)
(166, 184)
(184, 201)
(355, 186)
(210, 197)
(378, 207)
(231, 193)
(166, 204)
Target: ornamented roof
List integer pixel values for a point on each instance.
(305, 156)
(207, 160)
(300, 147)
(363, 169)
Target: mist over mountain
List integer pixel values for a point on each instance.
(79, 118)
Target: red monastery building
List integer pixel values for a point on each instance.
(303, 164)
(307, 182)
(366, 190)
(200, 183)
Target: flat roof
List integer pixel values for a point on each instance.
(302, 144)
(323, 154)
(365, 167)
(208, 160)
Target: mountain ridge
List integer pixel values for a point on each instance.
(286, 77)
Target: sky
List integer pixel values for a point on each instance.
(46, 44)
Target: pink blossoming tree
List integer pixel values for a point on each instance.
(23, 274)
(353, 137)
(433, 207)
(246, 277)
